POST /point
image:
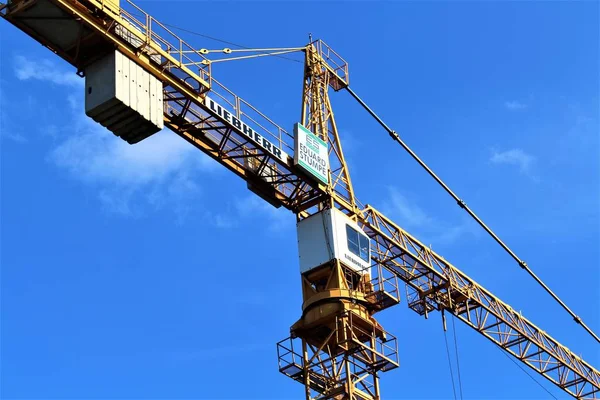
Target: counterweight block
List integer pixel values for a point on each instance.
(123, 97)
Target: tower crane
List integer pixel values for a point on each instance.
(141, 77)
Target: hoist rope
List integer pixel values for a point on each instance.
(524, 370)
(457, 358)
(464, 206)
(450, 364)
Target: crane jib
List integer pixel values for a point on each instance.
(241, 127)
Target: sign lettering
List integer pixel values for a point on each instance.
(310, 153)
(240, 126)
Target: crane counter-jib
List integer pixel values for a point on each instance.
(258, 150)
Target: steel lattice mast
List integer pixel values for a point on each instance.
(342, 362)
(337, 348)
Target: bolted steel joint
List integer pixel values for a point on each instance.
(523, 264)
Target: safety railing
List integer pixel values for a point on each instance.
(375, 347)
(290, 362)
(187, 56)
(385, 288)
(335, 64)
(255, 119)
(158, 39)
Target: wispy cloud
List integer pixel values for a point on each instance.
(277, 219)
(223, 220)
(516, 157)
(451, 234)
(130, 179)
(584, 128)
(515, 105)
(409, 213)
(251, 209)
(95, 154)
(12, 135)
(424, 226)
(8, 130)
(156, 170)
(44, 70)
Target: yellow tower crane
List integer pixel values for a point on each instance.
(140, 76)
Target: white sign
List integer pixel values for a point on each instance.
(310, 153)
(241, 127)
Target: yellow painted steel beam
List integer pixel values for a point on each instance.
(436, 284)
(83, 11)
(175, 77)
(151, 46)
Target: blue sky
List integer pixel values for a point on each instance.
(149, 271)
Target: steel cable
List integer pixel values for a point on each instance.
(461, 203)
(524, 370)
(457, 359)
(450, 364)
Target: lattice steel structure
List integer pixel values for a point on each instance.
(337, 357)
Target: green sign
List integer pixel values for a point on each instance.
(310, 153)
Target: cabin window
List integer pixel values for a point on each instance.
(358, 243)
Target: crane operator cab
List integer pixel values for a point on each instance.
(338, 293)
(330, 235)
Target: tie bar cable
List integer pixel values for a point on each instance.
(252, 56)
(461, 203)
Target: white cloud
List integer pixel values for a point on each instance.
(410, 214)
(8, 130)
(130, 179)
(449, 235)
(515, 105)
(247, 208)
(95, 154)
(117, 202)
(11, 135)
(424, 227)
(276, 218)
(584, 128)
(158, 170)
(516, 157)
(223, 221)
(44, 70)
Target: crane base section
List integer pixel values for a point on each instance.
(124, 98)
(342, 365)
(336, 348)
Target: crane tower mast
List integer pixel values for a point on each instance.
(337, 348)
(357, 255)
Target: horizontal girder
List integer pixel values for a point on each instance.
(435, 284)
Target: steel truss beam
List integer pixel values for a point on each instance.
(343, 366)
(434, 284)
